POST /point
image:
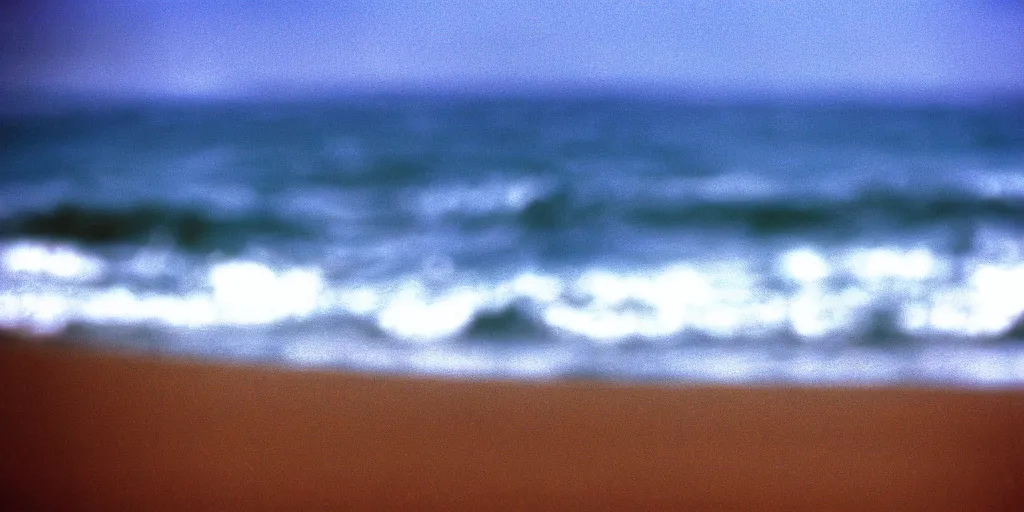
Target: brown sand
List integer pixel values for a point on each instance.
(87, 431)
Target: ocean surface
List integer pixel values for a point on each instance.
(621, 239)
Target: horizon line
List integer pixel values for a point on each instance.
(28, 98)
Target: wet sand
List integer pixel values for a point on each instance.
(88, 431)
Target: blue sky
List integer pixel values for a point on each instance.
(780, 47)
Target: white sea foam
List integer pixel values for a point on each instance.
(826, 296)
(805, 265)
(56, 261)
(480, 199)
(739, 185)
(814, 295)
(995, 184)
(321, 203)
(246, 292)
(413, 314)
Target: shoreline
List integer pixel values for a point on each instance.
(96, 430)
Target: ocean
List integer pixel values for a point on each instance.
(528, 238)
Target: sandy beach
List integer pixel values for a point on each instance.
(88, 431)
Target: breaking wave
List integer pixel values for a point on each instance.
(528, 238)
(853, 295)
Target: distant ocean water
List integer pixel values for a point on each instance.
(546, 238)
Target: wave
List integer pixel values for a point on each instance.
(866, 214)
(855, 295)
(857, 315)
(535, 210)
(543, 207)
(187, 228)
(514, 322)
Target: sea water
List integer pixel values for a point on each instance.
(538, 238)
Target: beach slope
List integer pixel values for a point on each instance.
(88, 431)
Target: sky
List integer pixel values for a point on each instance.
(955, 48)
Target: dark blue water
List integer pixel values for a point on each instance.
(528, 238)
